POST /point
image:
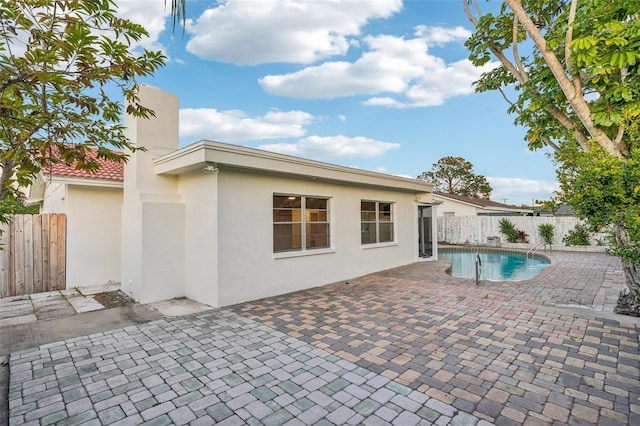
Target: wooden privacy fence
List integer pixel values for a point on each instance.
(33, 254)
(474, 230)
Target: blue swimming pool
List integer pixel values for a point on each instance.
(496, 265)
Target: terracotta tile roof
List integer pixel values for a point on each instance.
(109, 170)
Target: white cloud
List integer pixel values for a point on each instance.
(342, 118)
(392, 65)
(333, 147)
(520, 191)
(441, 35)
(385, 101)
(389, 66)
(235, 126)
(441, 83)
(152, 15)
(295, 31)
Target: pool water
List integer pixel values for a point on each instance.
(496, 266)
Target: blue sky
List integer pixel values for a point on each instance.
(381, 85)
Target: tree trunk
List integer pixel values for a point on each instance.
(629, 302)
(6, 170)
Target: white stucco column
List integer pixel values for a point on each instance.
(153, 215)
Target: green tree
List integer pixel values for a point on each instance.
(10, 206)
(454, 175)
(59, 63)
(573, 66)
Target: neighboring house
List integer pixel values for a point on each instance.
(92, 203)
(459, 205)
(564, 210)
(223, 224)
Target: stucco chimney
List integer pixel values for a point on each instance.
(152, 211)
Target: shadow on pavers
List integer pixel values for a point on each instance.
(19, 337)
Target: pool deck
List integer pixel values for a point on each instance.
(405, 346)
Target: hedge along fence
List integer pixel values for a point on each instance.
(474, 230)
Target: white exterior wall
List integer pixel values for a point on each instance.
(460, 209)
(55, 196)
(209, 236)
(247, 267)
(93, 235)
(201, 236)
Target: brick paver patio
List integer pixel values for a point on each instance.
(509, 353)
(405, 346)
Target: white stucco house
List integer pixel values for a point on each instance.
(223, 224)
(92, 203)
(459, 205)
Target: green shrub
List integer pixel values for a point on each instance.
(579, 236)
(546, 232)
(509, 230)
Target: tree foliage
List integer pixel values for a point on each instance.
(574, 66)
(454, 175)
(11, 206)
(606, 191)
(60, 64)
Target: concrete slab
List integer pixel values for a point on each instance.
(48, 297)
(81, 303)
(16, 309)
(19, 337)
(21, 319)
(91, 290)
(179, 307)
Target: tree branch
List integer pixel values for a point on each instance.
(620, 143)
(494, 47)
(471, 18)
(523, 77)
(516, 55)
(550, 143)
(577, 83)
(507, 100)
(574, 97)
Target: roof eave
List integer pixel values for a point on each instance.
(506, 209)
(225, 156)
(82, 181)
(482, 206)
(457, 201)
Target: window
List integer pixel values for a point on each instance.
(376, 218)
(300, 223)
